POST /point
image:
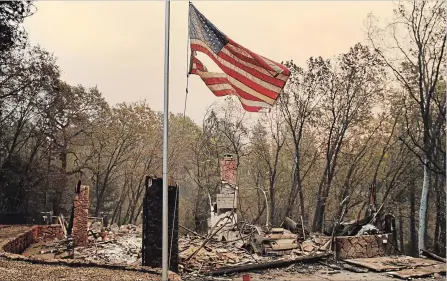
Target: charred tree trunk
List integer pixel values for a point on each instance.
(296, 190)
(401, 232)
(318, 216)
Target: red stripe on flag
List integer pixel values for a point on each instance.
(244, 95)
(267, 78)
(255, 56)
(251, 60)
(251, 108)
(221, 93)
(215, 80)
(244, 80)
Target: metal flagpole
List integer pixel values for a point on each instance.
(165, 266)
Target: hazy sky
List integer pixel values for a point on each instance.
(119, 45)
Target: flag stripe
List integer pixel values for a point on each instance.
(265, 77)
(262, 61)
(249, 102)
(254, 79)
(250, 62)
(249, 80)
(223, 87)
(210, 77)
(255, 56)
(238, 52)
(215, 80)
(248, 92)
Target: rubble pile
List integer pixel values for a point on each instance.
(213, 255)
(118, 245)
(216, 254)
(314, 244)
(125, 249)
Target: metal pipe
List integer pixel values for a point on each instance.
(165, 237)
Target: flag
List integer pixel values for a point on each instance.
(254, 79)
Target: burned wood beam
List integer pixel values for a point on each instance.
(266, 265)
(295, 227)
(192, 231)
(433, 256)
(290, 224)
(204, 242)
(354, 268)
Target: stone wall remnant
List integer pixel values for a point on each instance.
(363, 246)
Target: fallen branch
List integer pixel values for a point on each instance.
(433, 256)
(266, 265)
(302, 227)
(354, 268)
(333, 266)
(240, 238)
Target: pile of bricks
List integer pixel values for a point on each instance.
(80, 218)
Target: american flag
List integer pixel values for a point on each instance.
(254, 79)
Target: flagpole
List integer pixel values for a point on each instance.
(165, 237)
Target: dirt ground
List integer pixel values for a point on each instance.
(24, 271)
(323, 275)
(307, 272)
(8, 231)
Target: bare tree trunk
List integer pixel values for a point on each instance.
(119, 215)
(119, 204)
(318, 220)
(272, 202)
(423, 207)
(138, 213)
(296, 191)
(401, 232)
(126, 217)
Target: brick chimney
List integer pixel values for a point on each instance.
(80, 216)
